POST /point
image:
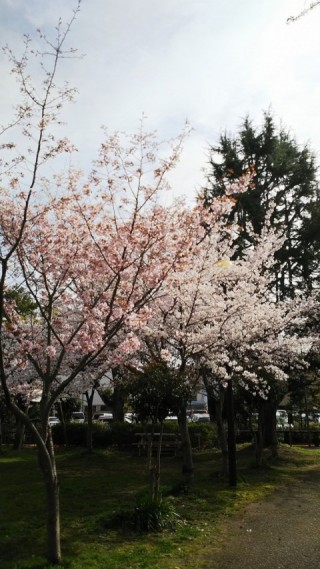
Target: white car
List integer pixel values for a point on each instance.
(129, 418)
(53, 421)
(199, 418)
(105, 417)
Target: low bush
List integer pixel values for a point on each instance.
(300, 437)
(123, 435)
(206, 433)
(148, 515)
(154, 514)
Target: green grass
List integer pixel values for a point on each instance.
(94, 486)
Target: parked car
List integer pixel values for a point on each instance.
(78, 417)
(199, 418)
(53, 421)
(130, 418)
(104, 417)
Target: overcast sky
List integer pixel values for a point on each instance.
(209, 61)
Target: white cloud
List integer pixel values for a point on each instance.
(209, 61)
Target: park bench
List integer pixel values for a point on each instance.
(171, 443)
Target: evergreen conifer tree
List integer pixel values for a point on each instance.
(284, 177)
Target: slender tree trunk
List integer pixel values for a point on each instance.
(150, 464)
(222, 434)
(118, 401)
(63, 422)
(216, 398)
(231, 437)
(187, 459)
(149, 438)
(157, 467)
(258, 443)
(19, 436)
(48, 466)
(269, 425)
(89, 399)
(307, 416)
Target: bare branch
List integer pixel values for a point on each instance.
(303, 12)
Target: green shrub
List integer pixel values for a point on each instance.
(205, 432)
(154, 514)
(123, 435)
(148, 515)
(76, 434)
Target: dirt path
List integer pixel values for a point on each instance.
(282, 532)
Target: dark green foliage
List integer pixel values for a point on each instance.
(157, 391)
(154, 514)
(22, 299)
(66, 407)
(304, 437)
(284, 174)
(123, 435)
(120, 435)
(76, 434)
(303, 386)
(205, 432)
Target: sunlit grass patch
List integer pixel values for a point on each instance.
(97, 486)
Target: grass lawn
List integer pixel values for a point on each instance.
(93, 486)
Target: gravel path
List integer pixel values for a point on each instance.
(282, 532)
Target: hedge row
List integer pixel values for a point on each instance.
(123, 435)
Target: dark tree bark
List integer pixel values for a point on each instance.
(89, 398)
(19, 436)
(216, 400)
(222, 434)
(48, 466)
(63, 422)
(232, 456)
(155, 471)
(268, 420)
(258, 443)
(118, 404)
(187, 458)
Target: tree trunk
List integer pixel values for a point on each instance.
(216, 397)
(149, 439)
(258, 443)
(231, 437)
(269, 425)
(118, 402)
(307, 416)
(222, 435)
(49, 471)
(157, 466)
(89, 399)
(63, 422)
(19, 436)
(187, 459)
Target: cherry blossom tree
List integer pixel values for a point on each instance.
(219, 315)
(29, 141)
(92, 255)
